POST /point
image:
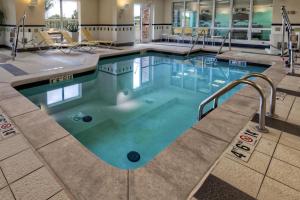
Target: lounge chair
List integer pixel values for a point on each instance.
(70, 40)
(89, 38)
(177, 34)
(188, 34)
(59, 46)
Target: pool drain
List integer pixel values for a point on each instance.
(87, 118)
(133, 156)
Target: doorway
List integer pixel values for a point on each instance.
(143, 23)
(137, 23)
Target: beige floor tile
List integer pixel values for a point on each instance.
(20, 165)
(239, 176)
(272, 135)
(40, 128)
(290, 82)
(60, 196)
(284, 173)
(287, 154)
(273, 190)
(5, 194)
(7, 91)
(297, 102)
(12, 146)
(17, 105)
(3, 182)
(294, 116)
(290, 140)
(266, 146)
(283, 106)
(258, 161)
(36, 186)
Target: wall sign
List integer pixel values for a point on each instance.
(245, 143)
(6, 127)
(61, 78)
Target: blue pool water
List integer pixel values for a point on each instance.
(136, 103)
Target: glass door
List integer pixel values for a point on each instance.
(146, 23)
(137, 22)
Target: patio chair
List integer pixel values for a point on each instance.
(188, 34)
(82, 45)
(203, 32)
(89, 38)
(177, 34)
(54, 45)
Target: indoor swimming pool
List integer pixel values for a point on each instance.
(133, 107)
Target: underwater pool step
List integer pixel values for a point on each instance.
(99, 126)
(163, 106)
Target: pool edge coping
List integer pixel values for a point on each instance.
(85, 69)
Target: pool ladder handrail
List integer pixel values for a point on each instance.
(286, 26)
(215, 97)
(228, 35)
(15, 41)
(202, 33)
(273, 91)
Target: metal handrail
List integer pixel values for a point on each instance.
(17, 32)
(286, 26)
(273, 91)
(228, 35)
(215, 97)
(202, 33)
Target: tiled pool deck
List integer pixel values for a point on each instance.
(43, 161)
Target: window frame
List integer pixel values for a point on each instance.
(213, 26)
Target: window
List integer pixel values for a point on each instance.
(234, 15)
(205, 13)
(240, 14)
(240, 34)
(178, 14)
(60, 13)
(262, 20)
(262, 13)
(222, 13)
(191, 13)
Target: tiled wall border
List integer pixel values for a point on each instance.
(7, 28)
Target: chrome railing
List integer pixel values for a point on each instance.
(228, 35)
(273, 91)
(215, 97)
(16, 36)
(286, 26)
(202, 33)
